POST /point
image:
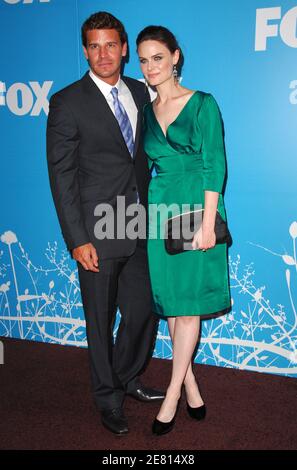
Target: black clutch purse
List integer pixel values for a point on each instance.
(180, 230)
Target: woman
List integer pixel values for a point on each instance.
(184, 142)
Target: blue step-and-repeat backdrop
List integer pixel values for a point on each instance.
(245, 54)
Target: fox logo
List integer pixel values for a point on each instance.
(23, 99)
(285, 27)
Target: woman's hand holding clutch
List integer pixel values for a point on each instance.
(204, 239)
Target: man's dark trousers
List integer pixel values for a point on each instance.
(123, 282)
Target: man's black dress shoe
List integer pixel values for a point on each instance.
(142, 393)
(198, 413)
(115, 420)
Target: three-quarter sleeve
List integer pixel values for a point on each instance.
(213, 151)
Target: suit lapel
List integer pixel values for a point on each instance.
(98, 101)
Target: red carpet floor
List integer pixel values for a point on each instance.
(46, 404)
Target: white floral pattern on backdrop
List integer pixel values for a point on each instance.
(44, 304)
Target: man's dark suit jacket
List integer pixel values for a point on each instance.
(89, 162)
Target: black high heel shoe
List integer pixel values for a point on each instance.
(159, 427)
(198, 413)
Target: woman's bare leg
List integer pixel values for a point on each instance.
(185, 332)
(192, 390)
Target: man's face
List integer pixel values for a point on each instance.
(104, 53)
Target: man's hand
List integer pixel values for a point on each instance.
(87, 256)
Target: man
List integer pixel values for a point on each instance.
(95, 154)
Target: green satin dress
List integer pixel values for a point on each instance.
(188, 160)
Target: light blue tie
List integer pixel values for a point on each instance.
(123, 120)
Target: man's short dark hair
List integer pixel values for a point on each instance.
(103, 20)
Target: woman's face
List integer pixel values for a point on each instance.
(156, 61)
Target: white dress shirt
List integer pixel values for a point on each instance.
(124, 95)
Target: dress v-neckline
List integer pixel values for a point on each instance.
(177, 117)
